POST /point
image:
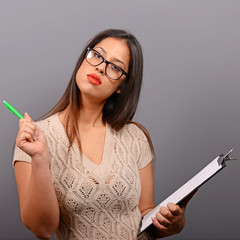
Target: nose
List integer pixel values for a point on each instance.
(101, 68)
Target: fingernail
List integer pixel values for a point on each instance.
(153, 219)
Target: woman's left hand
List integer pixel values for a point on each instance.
(171, 220)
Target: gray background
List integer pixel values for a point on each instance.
(190, 101)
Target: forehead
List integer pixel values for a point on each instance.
(115, 49)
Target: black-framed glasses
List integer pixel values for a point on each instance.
(112, 70)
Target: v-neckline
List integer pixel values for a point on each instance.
(107, 150)
(105, 154)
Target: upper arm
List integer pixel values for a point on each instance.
(22, 174)
(146, 202)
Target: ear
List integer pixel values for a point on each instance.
(118, 91)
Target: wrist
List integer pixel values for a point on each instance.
(41, 160)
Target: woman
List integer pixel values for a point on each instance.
(85, 172)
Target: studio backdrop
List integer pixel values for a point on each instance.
(190, 101)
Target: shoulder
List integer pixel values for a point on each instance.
(51, 126)
(54, 131)
(136, 130)
(142, 135)
(136, 133)
(137, 139)
(46, 123)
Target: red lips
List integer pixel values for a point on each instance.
(94, 79)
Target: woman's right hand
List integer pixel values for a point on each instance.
(32, 140)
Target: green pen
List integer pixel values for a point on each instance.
(12, 109)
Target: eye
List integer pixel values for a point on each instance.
(96, 54)
(115, 68)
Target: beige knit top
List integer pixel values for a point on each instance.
(96, 201)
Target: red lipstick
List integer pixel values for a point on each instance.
(94, 79)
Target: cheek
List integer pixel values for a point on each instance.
(81, 74)
(78, 75)
(81, 70)
(111, 88)
(114, 85)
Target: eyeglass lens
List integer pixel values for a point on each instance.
(112, 70)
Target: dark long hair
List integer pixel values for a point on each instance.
(119, 109)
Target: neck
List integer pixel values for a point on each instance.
(90, 114)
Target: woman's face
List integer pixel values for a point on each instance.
(93, 81)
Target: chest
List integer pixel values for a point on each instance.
(93, 144)
(82, 181)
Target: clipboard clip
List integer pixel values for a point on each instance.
(223, 158)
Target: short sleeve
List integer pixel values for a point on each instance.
(140, 146)
(20, 155)
(145, 155)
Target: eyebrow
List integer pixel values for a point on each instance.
(115, 59)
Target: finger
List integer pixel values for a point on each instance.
(174, 209)
(34, 125)
(27, 130)
(26, 116)
(25, 120)
(159, 225)
(24, 124)
(40, 134)
(162, 220)
(22, 138)
(166, 213)
(28, 137)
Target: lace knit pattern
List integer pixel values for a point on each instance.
(96, 201)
